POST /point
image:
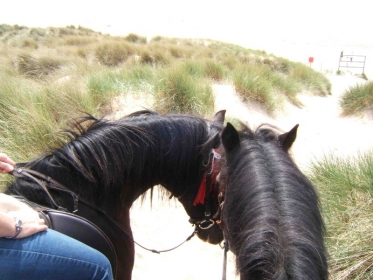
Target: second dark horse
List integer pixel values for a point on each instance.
(271, 216)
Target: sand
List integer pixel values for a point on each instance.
(322, 130)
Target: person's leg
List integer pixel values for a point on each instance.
(51, 255)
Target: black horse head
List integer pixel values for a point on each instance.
(271, 214)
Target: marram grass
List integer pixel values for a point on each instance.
(346, 190)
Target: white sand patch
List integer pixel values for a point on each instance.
(163, 226)
(321, 128)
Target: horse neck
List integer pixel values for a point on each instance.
(122, 160)
(175, 157)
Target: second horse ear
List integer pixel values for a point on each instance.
(219, 117)
(230, 137)
(287, 139)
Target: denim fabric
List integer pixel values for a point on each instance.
(51, 255)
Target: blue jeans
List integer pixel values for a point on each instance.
(51, 255)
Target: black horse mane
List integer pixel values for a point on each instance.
(129, 152)
(271, 211)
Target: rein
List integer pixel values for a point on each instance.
(225, 245)
(226, 249)
(25, 173)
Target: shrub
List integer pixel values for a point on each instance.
(346, 191)
(357, 99)
(146, 57)
(161, 58)
(66, 31)
(82, 52)
(29, 43)
(192, 68)
(37, 33)
(312, 80)
(179, 92)
(39, 68)
(214, 70)
(138, 75)
(79, 40)
(103, 86)
(157, 38)
(287, 86)
(133, 38)
(250, 81)
(278, 64)
(113, 54)
(176, 52)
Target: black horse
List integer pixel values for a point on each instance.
(270, 213)
(109, 164)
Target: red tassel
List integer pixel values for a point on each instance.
(200, 198)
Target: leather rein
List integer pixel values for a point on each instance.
(38, 178)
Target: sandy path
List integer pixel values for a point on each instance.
(321, 131)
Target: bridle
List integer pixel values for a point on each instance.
(39, 178)
(206, 188)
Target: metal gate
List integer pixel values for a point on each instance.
(352, 61)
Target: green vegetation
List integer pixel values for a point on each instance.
(48, 76)
(39, 68)
(102, 66)
(346, 191)
(176, 91)
(357, 99)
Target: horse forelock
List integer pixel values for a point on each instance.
(272, 212)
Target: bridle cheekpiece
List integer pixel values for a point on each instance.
(207, 186)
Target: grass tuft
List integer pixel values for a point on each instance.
(346, 191)
(38, 68)
(357, 99)
(113, 54)
(179, 92)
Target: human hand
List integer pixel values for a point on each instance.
(30, 228)
(6, 164)
(11, 207)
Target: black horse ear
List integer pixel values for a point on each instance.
(230, 137)
(287, 139)
(219, 117)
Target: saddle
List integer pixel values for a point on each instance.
(76, 227)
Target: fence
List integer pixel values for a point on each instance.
(352, 61)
